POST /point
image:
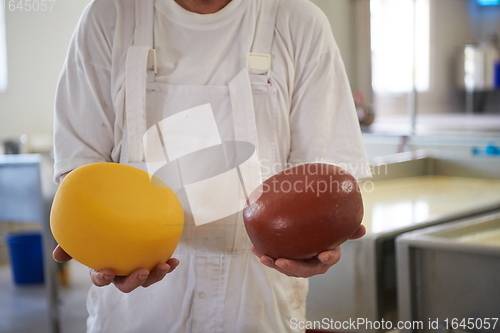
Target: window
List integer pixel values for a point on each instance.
(3, 52)
(400, 45)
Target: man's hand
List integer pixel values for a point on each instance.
(307, 268)
(140, 277)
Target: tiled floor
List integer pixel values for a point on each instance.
(23, 309)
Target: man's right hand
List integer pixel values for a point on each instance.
(140, 277)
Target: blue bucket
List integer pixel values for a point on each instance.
(26, 257)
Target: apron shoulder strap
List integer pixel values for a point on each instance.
(259, 58)
(264, 30)
(144, 32)
(138, 70)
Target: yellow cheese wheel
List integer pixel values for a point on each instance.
(109, 215)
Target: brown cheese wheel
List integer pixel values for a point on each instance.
(304, 211)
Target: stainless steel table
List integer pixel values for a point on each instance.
(26, 194)
(449, 276)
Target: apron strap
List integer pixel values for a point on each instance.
(240, 88)
(144, 32)
(138, 71)
(135, 100)
(259, 58)
(245, 129)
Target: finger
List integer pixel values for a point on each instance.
(102, 278)
(304, 269)
(330, 257)
(127, 284)
(307, 268)
(359, 233)
(256, 252)
(299, 268)
(60, 255)
(265, 260)
(270, 262)
(157, 274)
(173, 263)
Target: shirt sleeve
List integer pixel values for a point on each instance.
(84, 115)
(323, 122)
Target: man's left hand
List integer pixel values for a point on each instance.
(310, 267)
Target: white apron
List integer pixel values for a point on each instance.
(219, 286)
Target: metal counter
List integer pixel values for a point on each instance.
(449, 276)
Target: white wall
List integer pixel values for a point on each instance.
(36, 47)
